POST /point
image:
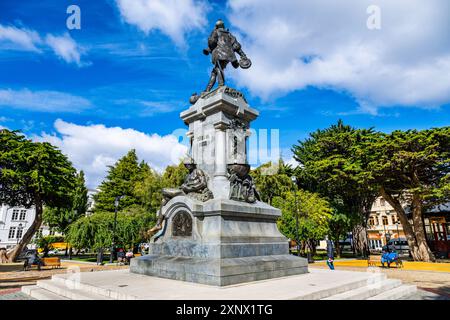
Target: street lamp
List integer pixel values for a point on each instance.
(294, 181)
(116, 206)
(387, 235)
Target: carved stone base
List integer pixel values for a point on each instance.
(223, 242)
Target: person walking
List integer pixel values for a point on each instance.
(330, 254)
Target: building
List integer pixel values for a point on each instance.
(383, 224)
(14, 222)
(437, 228)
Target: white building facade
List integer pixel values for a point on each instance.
(14, 222)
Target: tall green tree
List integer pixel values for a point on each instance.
(148, 190)
(413, 168)
(313, 212)
(272, 180)
(60, 218)
(332, 163)
(174, 176)
(33, 174)
(120, 181)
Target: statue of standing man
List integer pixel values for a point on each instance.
(222, 46)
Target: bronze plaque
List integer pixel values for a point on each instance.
(182, 225)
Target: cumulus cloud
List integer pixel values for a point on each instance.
(92, 148)
(19, 39)
(43, 101)
(174, 18)
(66, 48)
(295, 44)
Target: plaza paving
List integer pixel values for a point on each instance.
(433, 285)
(430, 277)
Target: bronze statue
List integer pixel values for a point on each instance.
(242, 187)
(195, 186)
(222, 46)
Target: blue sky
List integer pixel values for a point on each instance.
(127, 69)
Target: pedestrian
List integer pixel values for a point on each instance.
(330, 254)
(129, 255)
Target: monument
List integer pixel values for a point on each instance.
(214, 229)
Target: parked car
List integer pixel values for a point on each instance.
(53, 252)
(400, 244)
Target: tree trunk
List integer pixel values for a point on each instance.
(337, 246)
(360, 240)
(417, 253)
(15, 252)
(423, 249)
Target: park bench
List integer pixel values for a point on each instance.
(374, 261)
(53, 262)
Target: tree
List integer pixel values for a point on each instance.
(46, 243)
(95, 231)
(332, 163)
(33, 174)
(340, 224)
(412, 167)
(314, 214)
(148, 190)
(120, 181)
(174, 176)
(272, 181)
(60, 218)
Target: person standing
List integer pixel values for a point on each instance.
(330, 254)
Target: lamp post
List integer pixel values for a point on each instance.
(294, 181)
(116, 206)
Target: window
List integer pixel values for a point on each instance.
(12, 233)
(19, 233)
(23, 214)
(394, 219)
(371, 221)
(385, 220)
(15, 214)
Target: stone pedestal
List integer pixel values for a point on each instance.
(221, 241)
(226, 242)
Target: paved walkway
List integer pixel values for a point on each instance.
(407, 265)
(433, 282)
(16, 279)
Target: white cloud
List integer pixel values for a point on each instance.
(92, 148)
(44, 101)
(20, 39)
(66, 48)
(174, 18)
(299, 43)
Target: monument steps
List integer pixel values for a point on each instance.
(367, 291)
(315, 285)
(400, 292)
(70, 291)
(39, 293)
